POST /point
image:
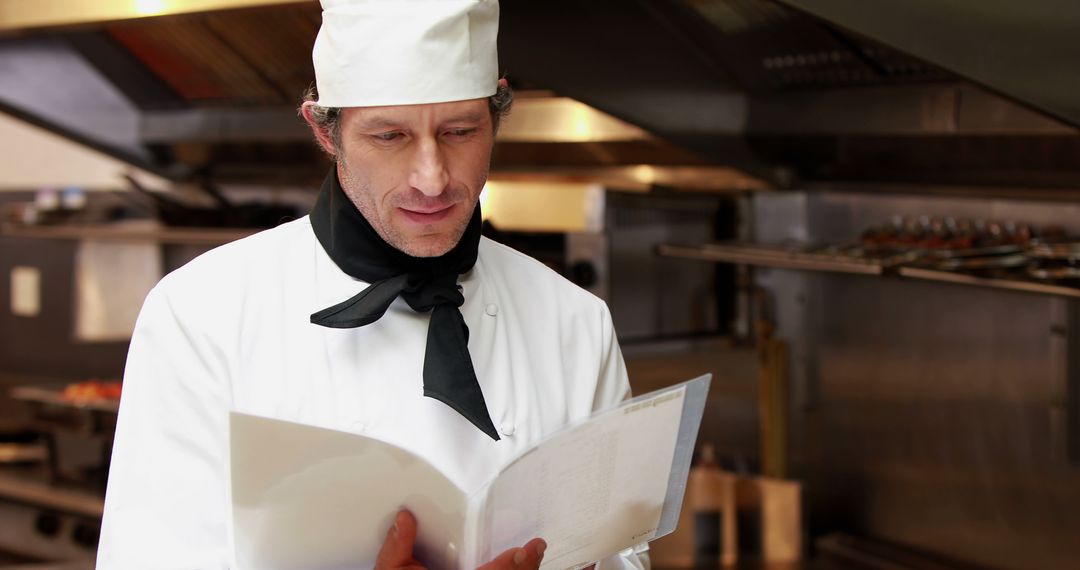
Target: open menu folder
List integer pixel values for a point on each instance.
(319, 499)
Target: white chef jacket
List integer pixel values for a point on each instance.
(231, 331)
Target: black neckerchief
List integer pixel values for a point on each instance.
(425, 283)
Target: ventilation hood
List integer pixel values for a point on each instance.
(753, 93)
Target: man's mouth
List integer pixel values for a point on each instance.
(427, 215)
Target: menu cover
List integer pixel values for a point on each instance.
(317, 499)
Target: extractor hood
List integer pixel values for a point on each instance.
(772, 92)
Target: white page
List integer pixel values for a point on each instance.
(316, 499)
(590, 491)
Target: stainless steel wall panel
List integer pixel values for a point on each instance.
(938, 416)
(781, 218)
(943, 403)
(651, 296)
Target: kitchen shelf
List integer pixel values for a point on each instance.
(56, 398)
(168, 235)
(786, 258)
(32, 489)
(1009, 284)
(775, 256)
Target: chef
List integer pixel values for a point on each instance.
(384, 312)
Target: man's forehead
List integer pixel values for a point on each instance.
(472, 110)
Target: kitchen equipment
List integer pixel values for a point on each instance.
(1053, 273)
(705, 536)
(1055, 250)
(23, 453)
(986, 251)
(984, 263)
(54, 416)
(21, 446)
(47, 514)
(770, 519)
(174, 212)
(1055, 261)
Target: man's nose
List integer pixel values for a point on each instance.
(429, 173)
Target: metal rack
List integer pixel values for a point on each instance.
(788, 258)
(1007, 284)
(168, 235)
(30, 489)
(772, 256)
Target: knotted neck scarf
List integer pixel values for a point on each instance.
(426, 284)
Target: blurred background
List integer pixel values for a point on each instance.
(862, 217)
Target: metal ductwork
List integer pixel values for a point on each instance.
(1024, 51)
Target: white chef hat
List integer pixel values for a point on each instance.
(403, 52)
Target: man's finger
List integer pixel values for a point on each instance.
(397, 549)
(527, 557)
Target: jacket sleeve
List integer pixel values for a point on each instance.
(166, 503)
(613, 386)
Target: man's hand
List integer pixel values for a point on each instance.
(527, 557)
(397, 550)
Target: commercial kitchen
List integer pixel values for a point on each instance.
(863, 218)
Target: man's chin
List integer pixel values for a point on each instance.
(424, 241)
(427, 246)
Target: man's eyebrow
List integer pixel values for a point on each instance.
(467, 117)
(377, 123)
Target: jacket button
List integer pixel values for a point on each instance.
(492, 309)
(507, 429)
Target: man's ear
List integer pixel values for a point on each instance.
(320, 133)
(503, 82)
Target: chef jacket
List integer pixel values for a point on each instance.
(231, 331)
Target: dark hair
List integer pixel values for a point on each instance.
(327, 118)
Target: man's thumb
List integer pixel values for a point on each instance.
(397, 549)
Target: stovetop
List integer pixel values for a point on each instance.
(48, 522)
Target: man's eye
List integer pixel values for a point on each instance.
(388, 136)
(463, 132)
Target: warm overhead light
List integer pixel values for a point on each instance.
(543, 206)
(582, 126)
(564, 120)
(150, 7)
(24, 14)
(644, 174)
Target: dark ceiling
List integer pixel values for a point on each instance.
(712, 77)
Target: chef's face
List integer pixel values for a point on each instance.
(416, 171)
